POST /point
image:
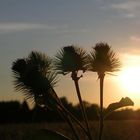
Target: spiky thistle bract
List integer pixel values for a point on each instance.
(71, 58)
(103, 59)
(33, 76)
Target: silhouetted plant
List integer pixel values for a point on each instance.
(32, 79)
(102, 61)
(72, 59)
(35, 77)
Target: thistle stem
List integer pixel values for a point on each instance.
(84, 114)
(68, 112)
(74, 118)
(101, 106)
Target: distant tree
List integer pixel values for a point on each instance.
(125, 114)
(93, 112)
(25, 112)
(9, 112)
(24, 106)
(66, 103)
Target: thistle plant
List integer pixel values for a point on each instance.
(32, 76)
(103, 60)
(72, 59)
(36, 77)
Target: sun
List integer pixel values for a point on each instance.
(130, 80)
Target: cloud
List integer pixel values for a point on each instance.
(128, 5)
(19, 27)
(135, 39)
(126, 8)
(69, 31)
(14, 27)
(129, 15)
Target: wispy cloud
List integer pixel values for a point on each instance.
(129, 15)
(126, 8)
(128, 5)
(14, 27)
(20, 27)
(135, 38)
(83, 30)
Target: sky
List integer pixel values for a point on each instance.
(48, 25)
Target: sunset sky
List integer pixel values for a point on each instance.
(48, 25)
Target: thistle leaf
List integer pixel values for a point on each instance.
(114, 106)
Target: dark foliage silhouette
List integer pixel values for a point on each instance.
(15, 112)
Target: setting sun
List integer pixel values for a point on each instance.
(130, 80)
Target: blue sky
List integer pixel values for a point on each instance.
(48, 25)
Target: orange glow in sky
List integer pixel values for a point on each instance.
(130, 80)
(129, 77)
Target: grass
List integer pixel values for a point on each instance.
(113, 130)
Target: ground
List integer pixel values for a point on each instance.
(113, 130)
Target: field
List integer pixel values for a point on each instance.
(113, 130)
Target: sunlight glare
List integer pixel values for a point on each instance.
(130, 80)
